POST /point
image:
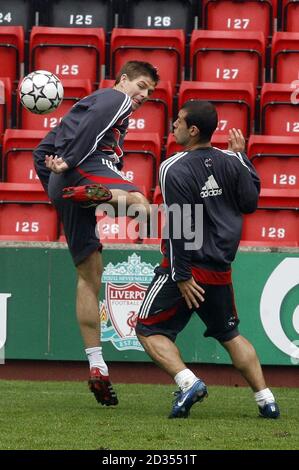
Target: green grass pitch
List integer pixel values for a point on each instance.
(65, 415)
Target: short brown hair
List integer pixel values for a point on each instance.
(134, 68)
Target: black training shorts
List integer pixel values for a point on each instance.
(80, 223)
(164, 310)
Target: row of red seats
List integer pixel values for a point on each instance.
(26, 215)
(228, 56)
(142, 157)
(236, 105)
(275, 158)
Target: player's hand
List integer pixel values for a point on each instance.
(236, 141)
(56, 164)
(192, 292)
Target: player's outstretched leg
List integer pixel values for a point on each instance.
(101, 387)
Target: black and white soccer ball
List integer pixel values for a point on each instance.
(41, 92)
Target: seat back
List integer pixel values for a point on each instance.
(290, 15)
(155, 115)
(5, 104)
(220, 141)
(165, 49)
(276, 160)
(18, 146)
(279, 197)
(68, 52)
(171, 146)
(227, 56)
(279, 110)
(249, 15)
(11, 51)
(235, 103)
(74, 90)
(285, 57)
(117, 230)
(26, 212)
(271, 227)
(141, 159)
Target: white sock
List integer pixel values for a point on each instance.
(264, 397)
(185, 379)
(95, 359)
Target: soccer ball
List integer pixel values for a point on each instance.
(41, 92)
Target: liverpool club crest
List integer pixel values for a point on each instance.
(125, 288)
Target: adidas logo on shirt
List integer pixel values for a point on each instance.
(210, 188)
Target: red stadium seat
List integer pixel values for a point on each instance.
(275, 5)
(285, 57)
(11, 51)
(227, 56)
(165, 49)
(157, 197)
(248, 15)
(277, 162)
(22, 238)
(68, 52)
(220, 141)
(171, 146)
(279, 113)
(26, 212)
(271, 227)
(106, 83)
(279, 197)
(234, 102)
(155, 114)
(5, 104)
(74, 90)
(290, 15)
(18, 146)
(141, 159)
(117, 230)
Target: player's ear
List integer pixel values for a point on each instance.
(123, 77)
(194, 131)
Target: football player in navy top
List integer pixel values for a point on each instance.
(79, 164)
(206, 191)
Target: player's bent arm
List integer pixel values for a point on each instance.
(97, 119)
